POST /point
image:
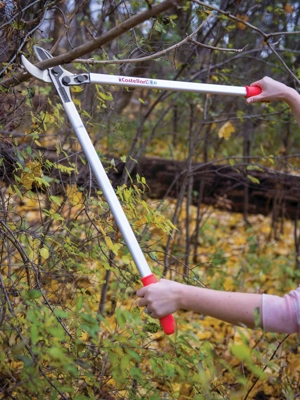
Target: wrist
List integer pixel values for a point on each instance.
(291, 96)
(181, 296)
(188, 297)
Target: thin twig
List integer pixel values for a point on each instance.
(266, 366)
(146, 58)
(24, 42)
(95, 43)
(266, 36)
(11, 237)
(217, 48)
(271, 47)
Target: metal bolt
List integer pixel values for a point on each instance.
(80, 79)
(66, 80)
(56, 70)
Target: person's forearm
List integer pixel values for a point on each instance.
(166, 297)
(293, 100)
(234, 308)
(276, 91)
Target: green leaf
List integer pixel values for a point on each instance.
(61, 313)
(28, 362)
(56, 200)
(34, 294)
(120, 317)
(105, 96)
(136, 373)
(79, 303)
(44, 252)
(56, 331)
(242, 352)
(133, 354)
(253, 167)
(42, 181)
(253, 179)
(64, 168)
(56, 353)
(151, 327)
(34, 334)
(18, 192)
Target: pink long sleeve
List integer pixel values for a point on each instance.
(281, 314)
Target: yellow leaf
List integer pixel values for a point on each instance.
(114, 247)
(213, 125)
(239, 24)
(109, 242)
(74, 195)
(12, 339)
(16, 365)
(229, 284)
(84, 337)
(282, 251)
(206, 335)
(44, 252)
(10, 190)
(288, 8)
(226, 130)
(239, 240)
(31, 171)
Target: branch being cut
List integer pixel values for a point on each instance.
(95, 43)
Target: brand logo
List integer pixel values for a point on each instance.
(139, 81)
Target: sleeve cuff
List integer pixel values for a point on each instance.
(281, 314)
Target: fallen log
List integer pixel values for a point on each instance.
(233, 188)
(224, 186)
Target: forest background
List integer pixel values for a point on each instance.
(209, 184)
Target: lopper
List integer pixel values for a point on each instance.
(62, 81)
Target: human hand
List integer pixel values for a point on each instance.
(161, 298)
(271, 91)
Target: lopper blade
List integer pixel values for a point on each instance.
(34, 71)
(41, 54)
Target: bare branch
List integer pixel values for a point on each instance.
(218, 48)
(282, 61)
(233, 17)
(266, 36)
(95, 43)
(146, 58)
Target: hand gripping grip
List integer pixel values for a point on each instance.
(252, 91)
(167, 322)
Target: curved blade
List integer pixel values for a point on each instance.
(41, 54)
(34, 71)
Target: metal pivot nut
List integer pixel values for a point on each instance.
(66, 80)
(80, 78)
(56, 70)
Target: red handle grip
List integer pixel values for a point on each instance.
(167, 322)
(252, 91)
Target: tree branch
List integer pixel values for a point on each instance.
(146, 58)
(217, 48)
(266, 36)
(95, 43)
